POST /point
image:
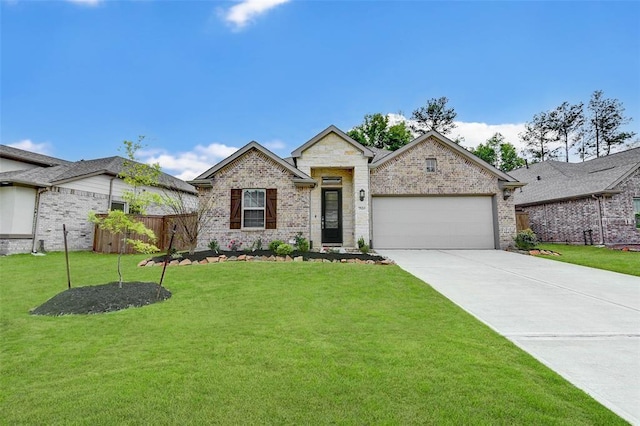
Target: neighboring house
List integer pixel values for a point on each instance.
(38, 194)
(564, 200)
(429, 194)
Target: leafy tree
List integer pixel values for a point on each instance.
(509, 159)
(137, 176)
(603, 126)
(434, 116)
(399, 135)
(499, 153)
(538, 136)
(490, 151)
(375, 132)
(566, 121)
(372, 132)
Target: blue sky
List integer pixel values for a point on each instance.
(202, 78)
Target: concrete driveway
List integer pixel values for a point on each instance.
(584, 323)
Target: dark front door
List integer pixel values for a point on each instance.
(332, 216)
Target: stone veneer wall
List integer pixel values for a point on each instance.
(334, 152)
(255, 170)
(15, 245)
(70, 207)
(60, 206)
(565, 221)
(348, 232)
(406, 175)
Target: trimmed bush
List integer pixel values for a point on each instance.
(526, 240)
(284, 249)
(273, 245)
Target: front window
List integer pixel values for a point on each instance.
(119, 205)
(636, 211)
(253, 203)
(432, 165)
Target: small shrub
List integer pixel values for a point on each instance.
(361, 243)
(214, 246)
(364, 249)
(234, 245)
(526, 240)
(273, 245)
(301, 243)
(284, 249)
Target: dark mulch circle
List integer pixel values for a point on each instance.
(201, 255)
(102, 298)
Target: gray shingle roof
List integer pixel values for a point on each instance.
(29, 157)
(47, 176)
(555, 180)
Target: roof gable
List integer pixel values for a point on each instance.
(452, 146)
(204, 178)
(332, 129)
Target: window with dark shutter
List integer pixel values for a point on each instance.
(235, 220)
(272, 208)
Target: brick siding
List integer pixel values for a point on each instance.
(565, 221)
(255, 170)
(406, 175)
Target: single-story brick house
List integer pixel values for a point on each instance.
(430, 193)
(39, 193)
(565, 199)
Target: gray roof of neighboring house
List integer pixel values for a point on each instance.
(67, 172)
(556, 180)
(29, 157)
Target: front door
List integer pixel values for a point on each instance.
(332, 216)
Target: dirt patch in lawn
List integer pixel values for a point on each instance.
(102, 298)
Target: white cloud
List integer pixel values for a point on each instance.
(477, 133)
(245, 11)
(28, 145)
(188, 165)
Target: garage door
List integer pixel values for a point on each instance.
(433, 223)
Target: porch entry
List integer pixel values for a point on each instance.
(332, 216)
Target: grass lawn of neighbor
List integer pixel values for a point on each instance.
(275, 343)
(625, 262)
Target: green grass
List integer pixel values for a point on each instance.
(253, 343)
(625, 262)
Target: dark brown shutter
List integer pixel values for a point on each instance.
(235, 220)
(272, 208)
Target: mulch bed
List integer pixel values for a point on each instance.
(202, 255)
(102, 298)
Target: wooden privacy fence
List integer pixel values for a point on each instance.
(106, 242)
(522, 221)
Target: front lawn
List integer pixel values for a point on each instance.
(254, 343)
(625, 262)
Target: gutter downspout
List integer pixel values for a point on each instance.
(311, 241)
(599, 201)
(36, 214)
(110, 192)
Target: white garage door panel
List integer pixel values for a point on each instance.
(433, 222)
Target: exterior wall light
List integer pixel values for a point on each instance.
(507, 193)
(362, 195)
